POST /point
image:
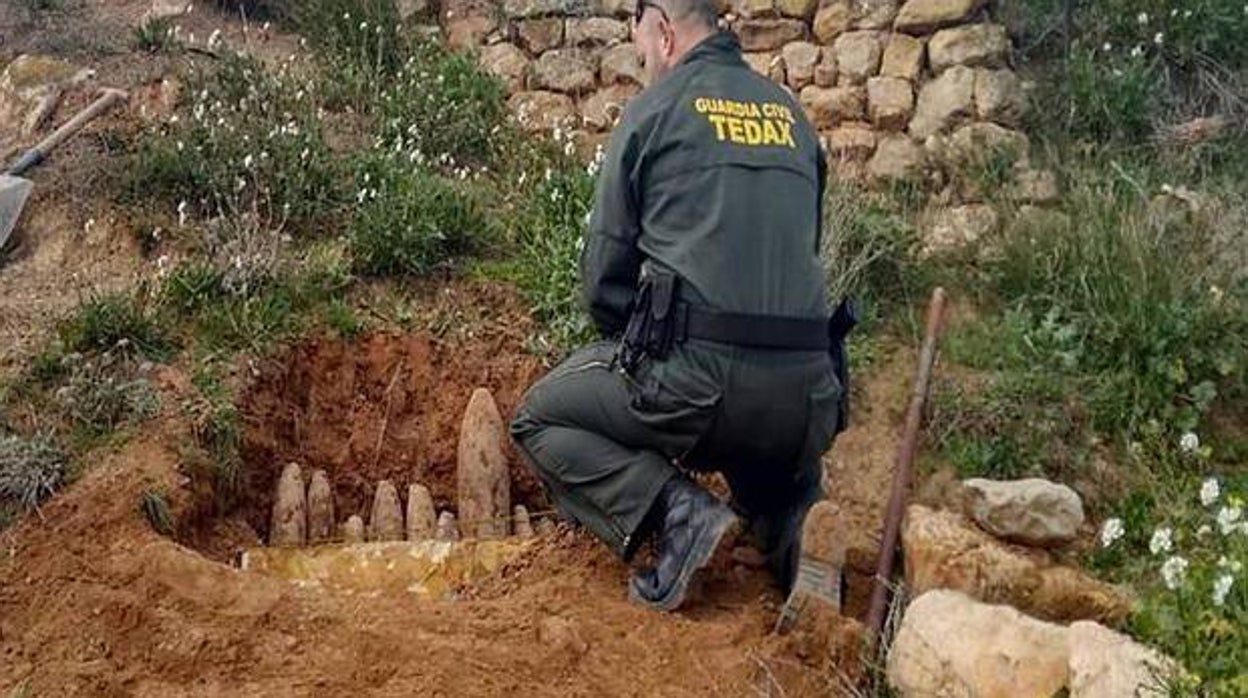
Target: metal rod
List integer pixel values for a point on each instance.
(902, 467)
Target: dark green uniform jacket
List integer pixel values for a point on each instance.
(733, 176)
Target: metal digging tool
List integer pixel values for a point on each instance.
(15, 189)
(902, 471)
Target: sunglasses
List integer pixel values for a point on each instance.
(641, 10)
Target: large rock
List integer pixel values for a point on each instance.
(769, 34)
(540, 35)
(602, 109)
(421, 520)
(797, 8)
(891, 103)
(320, 508)
(830, 106)
(1106, 664)
(508, 63)
(944, 102)
(289, 525)
(831, 21)
(30, 88)
(1031, 511)
(543, 111)
(896, 158)
(923, 16)
(800, 59)
(951, 645)
(873, 14)
(482, 477)
(945, 551)
(903, 57)
(523, 9)
(385, 521)
(620, 64)
(595, 31)
(999, 96)
(975, 45)
(980, 143)
(565, 70)
(852, 142)
(858, 55)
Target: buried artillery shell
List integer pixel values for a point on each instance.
(523, 527)
(447, 528)
(386, 520)
(353, 530)
(290, 506)
(421, 518)
(483, 483)
(320, 508)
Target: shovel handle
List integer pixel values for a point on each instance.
(107, 100)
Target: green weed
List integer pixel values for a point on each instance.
(31, 469)
(154, 506)
(156, 36)
(116, 321)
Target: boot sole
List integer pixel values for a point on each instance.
(703, 548)
(817, 582)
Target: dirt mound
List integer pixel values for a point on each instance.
(385, 407)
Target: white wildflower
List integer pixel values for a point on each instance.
(1162, 541)
(304, 155)
(1222, 587)
(1142, 18)
(1189, 442)
(361, 195)
(1111, 531)
(247, 161)
(1173, 571)
(1209, 491)
(1187, 14)
(569, 148)
(181, 213)
(214, 38)
(1137, 51)
(1235, 566)
(1217, 294)
(1107, 47)
(1204, 531)
(1158, 37)
(180, 146)
(1228, 519)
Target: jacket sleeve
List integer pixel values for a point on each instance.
(611, 260)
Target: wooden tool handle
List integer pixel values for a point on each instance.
(107, 100)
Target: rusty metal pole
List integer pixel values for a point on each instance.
(902, 467)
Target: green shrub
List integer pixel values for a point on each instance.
(31, 469)
(408, 221)
(103, 392)
(116, 321)
(154, 506)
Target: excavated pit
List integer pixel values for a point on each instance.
(388, 407)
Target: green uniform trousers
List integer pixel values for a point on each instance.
(605, 441)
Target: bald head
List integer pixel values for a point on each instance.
(667, 29)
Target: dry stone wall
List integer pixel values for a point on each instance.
(898, 89)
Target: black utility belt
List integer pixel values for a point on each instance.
(758, 331)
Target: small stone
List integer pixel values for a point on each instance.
(924, 16)
(945, 551)
(595, 31)
(620, 64)
(421, 521)
(561, 634)
(1035, 186)
(801, 9)
(543, 111)
(320, 508)
(352, 530)
(999, 96)
(754, 8)
(619, 8)
(853, 142)
(951, 645)
(826, 72)
(1107, 664)
(972, 45)
(602, 109)
(483, 479)
(565, 70)
(944, 102)
(858, 55)
(448, 528)
(903, 57)
(891, 103)
(800, 58)
(523, 527)
(1032, 511)
(386, 520)
(896, 158)
(290, 509)
(508, 64)
(523, 9)
(831, 106)
(769, 34)
(958, 227)
(540, 35)
(832, 20)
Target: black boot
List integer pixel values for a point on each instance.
(692, 523)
